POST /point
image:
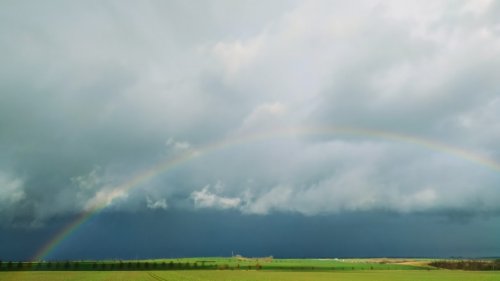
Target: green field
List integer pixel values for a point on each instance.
(238, 269)
(214, 263)
(251, 275)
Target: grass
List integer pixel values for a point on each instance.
(214, 263)
(293, 264)
(234, 269)
(251, 275)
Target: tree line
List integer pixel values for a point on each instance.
(468, 264)
(117, 265)
(97, 265)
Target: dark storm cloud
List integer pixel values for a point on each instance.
(94, 93)
(219, 233)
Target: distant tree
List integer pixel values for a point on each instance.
(94, 265)
(66, 265)
(103, 266)
(0, 265)
(163, 264)
(9, 265)
(496, 264)
(171, 264)
(465, 265)
(138, 265)
(49, 264)
(76, 265)
(129, 265)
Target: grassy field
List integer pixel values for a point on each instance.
(251, 275)
(239, 269)
(296, 264)
(217, 263)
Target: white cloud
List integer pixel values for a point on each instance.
(12, 196)
(266, 115)
(277, 199)
(156, 204)
(477, 7)
(11, 190)
(236, 55)
(177, 146)
(105, 197)
(478, 126)
(206, 199)
(90, 181)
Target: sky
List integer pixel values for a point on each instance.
(285, 128)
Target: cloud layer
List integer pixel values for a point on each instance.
(93, 94)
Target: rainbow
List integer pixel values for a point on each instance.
(103, 199)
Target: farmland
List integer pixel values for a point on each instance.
(217, 263)
(245, 269)
(252, 275)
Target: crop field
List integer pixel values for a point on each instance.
(236, 269)
(251, 275)
(289, 264)
(217, 263)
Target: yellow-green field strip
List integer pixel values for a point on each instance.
(251, 275)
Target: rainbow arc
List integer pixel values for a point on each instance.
(141, 178)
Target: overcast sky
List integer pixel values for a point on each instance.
(95, 93)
